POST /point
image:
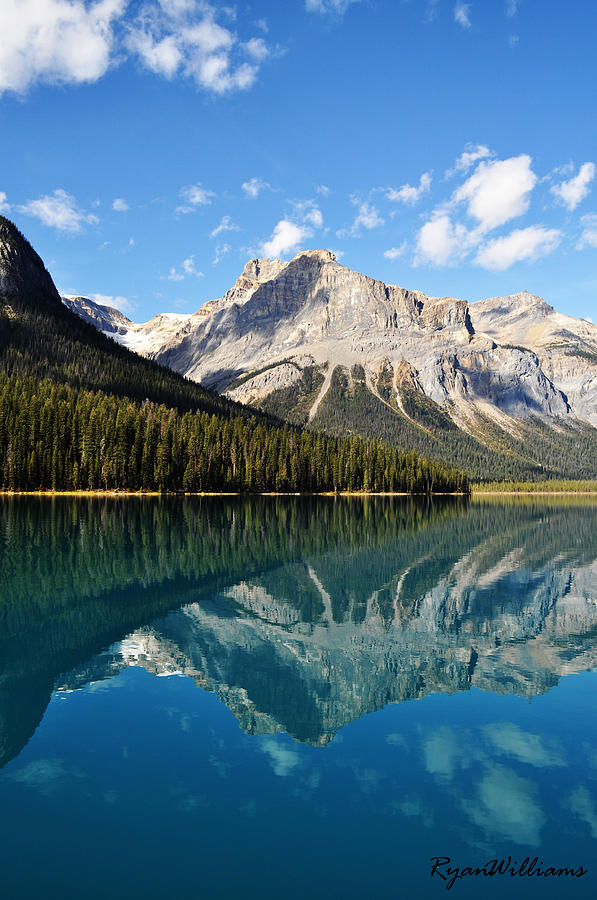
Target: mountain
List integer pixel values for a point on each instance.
(79, 411)
(505, 386)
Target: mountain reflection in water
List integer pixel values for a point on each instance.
(303, 614)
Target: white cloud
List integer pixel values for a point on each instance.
(328, 6)
(56, 41)
(286, 237)
(173, 275)
(521, 244)
(511, 8)
(254, 187)
(498, 191)
(314, 217)
(571, 192)
(121, 303)
(257, 49)
(367, 217)
(159, 56)
(513, 40)
(588, 237)
(190, 268)
(120, 205)
(472, 154)
(184, 38)
(4, 206)
(195, 195)
(59, 210)
(225, 225)
(441, 243)
(461, 14)
(411, 195)
(77, 41)
(323, 189)
(395, 252)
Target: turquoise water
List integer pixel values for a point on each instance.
(292, 697)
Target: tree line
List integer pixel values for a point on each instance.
(60, 437)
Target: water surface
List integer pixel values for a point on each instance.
(290, 697)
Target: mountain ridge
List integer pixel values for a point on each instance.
(314, 342)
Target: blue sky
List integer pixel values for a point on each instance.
(151, 148)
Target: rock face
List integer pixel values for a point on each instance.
(21, 269)
(566, 348)
(501, 360)
(105, 318)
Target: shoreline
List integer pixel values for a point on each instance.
(123, 493)
(560, 493)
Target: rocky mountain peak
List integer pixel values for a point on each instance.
(262, 269)
(315, 256)
(308, 337)
(21, 269)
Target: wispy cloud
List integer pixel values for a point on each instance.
(59, 210)
(430, 14)
(226, 224)
(194, 195)
(120, 205)
(408, 194)
(188, 268)
(122, 303)
(511, 8)
(462, 14)
(588, 237)
(570, 193)
(221, 251)
(395, 252)
(338, 7)
(472, 154)
(368, 217)
(4, 204)
(254, 187)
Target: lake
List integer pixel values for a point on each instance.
(297, 697)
